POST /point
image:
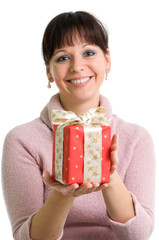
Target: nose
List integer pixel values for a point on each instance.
(77, 64)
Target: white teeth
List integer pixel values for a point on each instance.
(80, 80)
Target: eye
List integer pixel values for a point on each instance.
(89, 53)
(62, 58)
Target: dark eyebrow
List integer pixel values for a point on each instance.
(63, 50)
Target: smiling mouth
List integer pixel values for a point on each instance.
(78, 81)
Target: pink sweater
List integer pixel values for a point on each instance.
(28, 151)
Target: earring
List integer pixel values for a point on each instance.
(106, 75)
(49, 82)
(49, 85)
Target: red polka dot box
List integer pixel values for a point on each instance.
(81, 146)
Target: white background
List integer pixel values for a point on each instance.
(133, 83)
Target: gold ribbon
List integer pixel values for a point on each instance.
(91, 122)
(93, 116)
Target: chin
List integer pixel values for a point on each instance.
(83, 98)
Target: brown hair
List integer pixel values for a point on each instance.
(60, 30)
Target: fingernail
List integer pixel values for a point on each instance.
(44, 175)
(105, 184)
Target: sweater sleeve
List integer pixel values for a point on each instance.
(22, 183)
(140, 182)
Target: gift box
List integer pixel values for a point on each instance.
(81, 147)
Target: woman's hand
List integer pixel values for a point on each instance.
(73, 190)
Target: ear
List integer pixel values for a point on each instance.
(108, 60)
(49, 76)
(48, 71)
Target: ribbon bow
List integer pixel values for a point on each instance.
(93, 116)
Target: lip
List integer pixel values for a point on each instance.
(79, 84)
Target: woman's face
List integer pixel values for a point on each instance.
(78, 70)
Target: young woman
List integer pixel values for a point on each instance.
(77, 58)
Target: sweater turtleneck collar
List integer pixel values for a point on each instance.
(54, 103)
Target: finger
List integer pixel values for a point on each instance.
(102, 186)
(114, 139)
(114, 158)
(46, 175)
(67, 190)
(47, 178)
(90, 190)
(85, 186)
(82, 189)
(114, 161)
(71, 188)
(114, 147)
(114, 167)
(95, 185)
(114, 143)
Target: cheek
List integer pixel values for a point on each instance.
(59, 73)
(59, 78)
(99, 66)
(54, 73)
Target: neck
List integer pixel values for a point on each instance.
(79, 107)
